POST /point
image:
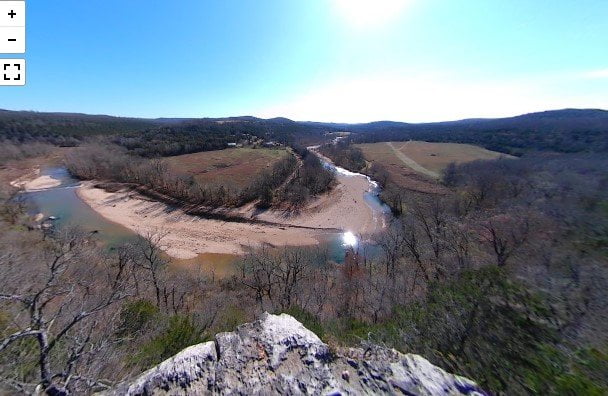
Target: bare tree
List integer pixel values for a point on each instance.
(149, 257)
(55, 302)
(506, 234)
(258, 274)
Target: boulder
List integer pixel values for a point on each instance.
(278, 355)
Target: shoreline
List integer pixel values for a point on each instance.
(344, 209)
(33, 182)
(188, 236)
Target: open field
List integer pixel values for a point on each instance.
(234, 166)
(437, 156)
(414, 164)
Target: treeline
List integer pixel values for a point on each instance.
(63, 129)
(310, 180)
(10, 151)
(173, 140)
(112, 163)
(566, 131)
(286, 182)
(343, 154)
(150, 137)
(205, 135)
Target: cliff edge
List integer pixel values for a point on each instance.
(278, 355)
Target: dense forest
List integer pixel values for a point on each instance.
(63, 129)
(560, 131)
(343, 154)
(203, 135)
(150, 137)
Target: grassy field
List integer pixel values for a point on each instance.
(235, 166)
(411, 164)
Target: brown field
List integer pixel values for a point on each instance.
(234, 166)
(414, 165)
(437, 156)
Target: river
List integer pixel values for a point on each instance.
(68, 209)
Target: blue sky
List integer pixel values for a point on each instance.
(326, 60)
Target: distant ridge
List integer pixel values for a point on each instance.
(566, 130)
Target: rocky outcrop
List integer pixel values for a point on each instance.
(278, 355)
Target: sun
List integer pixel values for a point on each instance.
(370, 13)
(349, 239)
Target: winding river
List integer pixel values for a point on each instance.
(67, 208)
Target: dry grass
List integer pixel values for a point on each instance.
(414, 165)
(235, 166)
(437, 156)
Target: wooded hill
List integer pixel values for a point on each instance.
(150, 137)
(569, 130)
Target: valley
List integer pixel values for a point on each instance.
(416, 245)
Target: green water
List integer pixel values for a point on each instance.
(63, 203)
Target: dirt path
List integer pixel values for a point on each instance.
(295, 172)
(411, 163)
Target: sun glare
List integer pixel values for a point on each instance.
(369, 13)
(349, 239)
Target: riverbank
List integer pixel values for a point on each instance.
(188, 236)
(18, 173)
(33, 181)
(344, 208)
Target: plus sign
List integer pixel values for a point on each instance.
(12, 14)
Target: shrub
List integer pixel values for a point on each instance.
(179, 334)
(134, 317)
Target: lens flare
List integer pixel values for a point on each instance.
(349, 239)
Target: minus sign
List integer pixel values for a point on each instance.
(12, 39)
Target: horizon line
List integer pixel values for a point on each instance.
(294, 120)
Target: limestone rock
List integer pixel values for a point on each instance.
(278, 355)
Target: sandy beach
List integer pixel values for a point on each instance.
(33, 182)
(188, 236)
(343, 208)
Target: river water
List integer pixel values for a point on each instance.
(63, 203)
(341, 243)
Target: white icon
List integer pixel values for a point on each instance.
(12, 72)
(12, 27)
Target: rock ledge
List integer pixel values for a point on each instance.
(278, 355)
